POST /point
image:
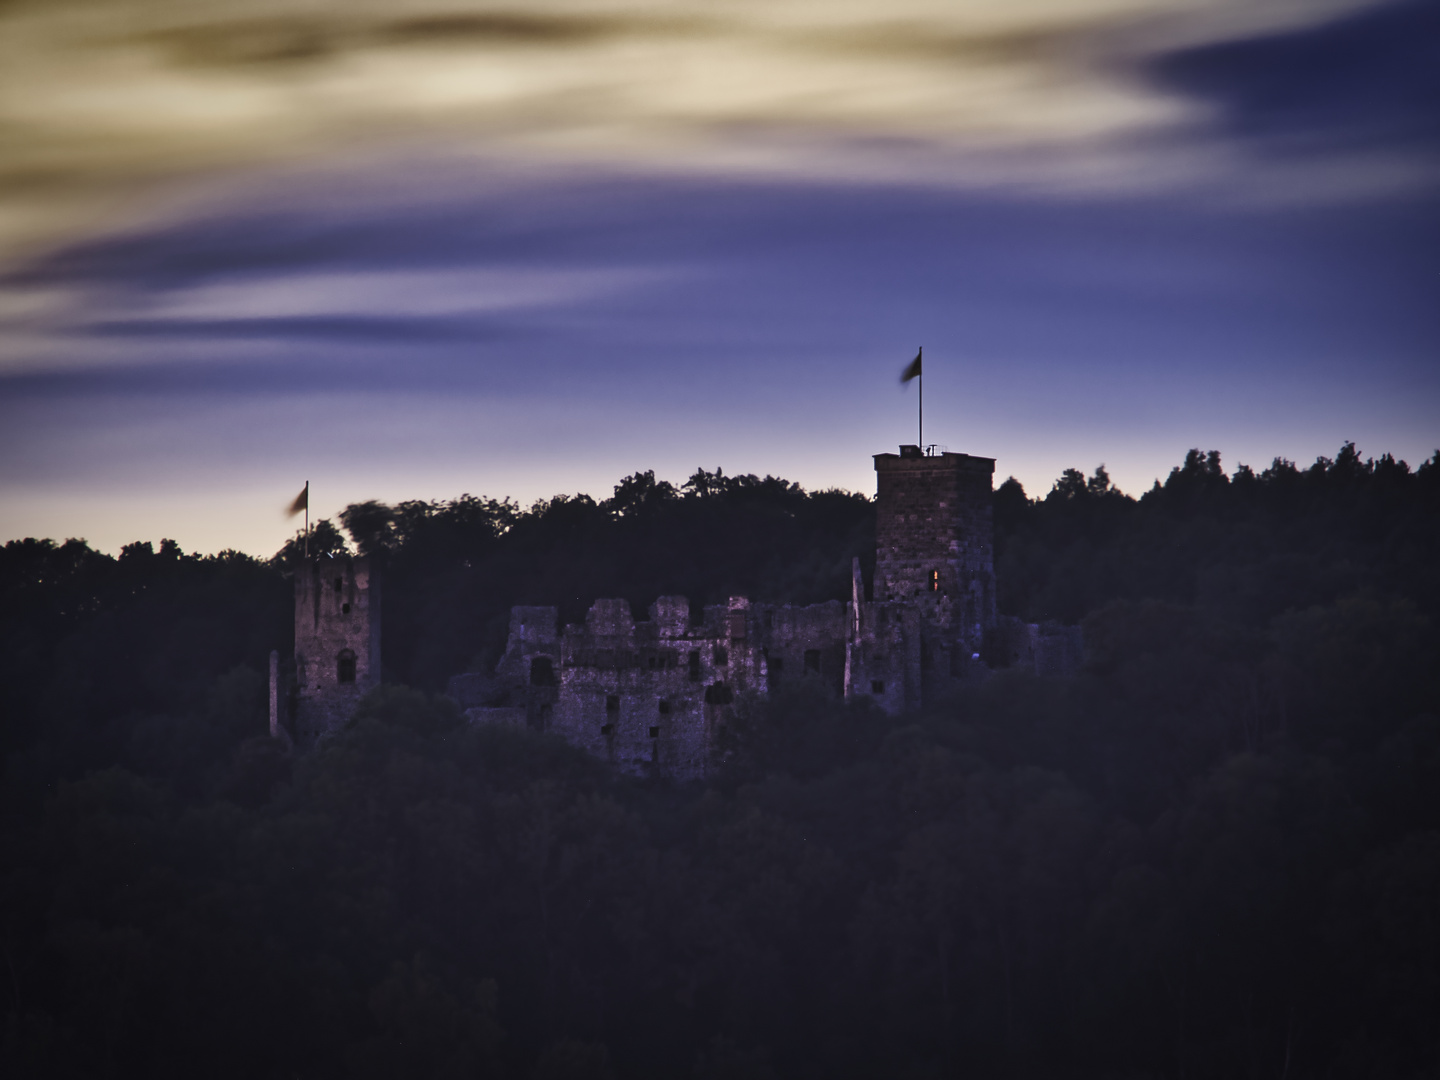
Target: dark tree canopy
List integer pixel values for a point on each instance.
(1215, 852)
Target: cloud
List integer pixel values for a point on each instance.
(399, 293)
(521, 337)
(108, 108)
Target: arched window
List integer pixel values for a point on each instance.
(345, 666)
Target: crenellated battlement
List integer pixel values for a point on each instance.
(654, 694)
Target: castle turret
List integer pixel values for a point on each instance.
(934, 536)
(337, 641)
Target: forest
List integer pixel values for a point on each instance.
(1213, 852)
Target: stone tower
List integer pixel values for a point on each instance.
(934, 537)
(337, 641)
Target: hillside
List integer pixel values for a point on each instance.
(1214, 852)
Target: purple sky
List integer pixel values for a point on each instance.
(414, 322)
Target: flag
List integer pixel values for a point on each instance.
(912, 369)
(301, 503)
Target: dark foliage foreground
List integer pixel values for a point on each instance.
(1215, 853)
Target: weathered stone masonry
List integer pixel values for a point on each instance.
(652, 695)
(337, 641)
(934, 532)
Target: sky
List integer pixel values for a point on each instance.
(414, 250)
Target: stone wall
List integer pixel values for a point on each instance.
(1047, 648)
(651, 695)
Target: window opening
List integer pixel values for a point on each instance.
(722, 655)
(654, 733)
(695, 666)
(607, 729)
(345, 666)
(719, 694)
(344, 609)
(542, 671)
(664, 708)
(339, 584)
(774, 665)
(812, 660)
(877, 686)
(612, 702)
(934, 580)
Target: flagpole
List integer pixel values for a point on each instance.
(919, 355)
(307, 519)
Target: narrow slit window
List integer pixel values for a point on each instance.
(345, 666)
(695, 666)
(722, 656)
(612, 702)
(339, 584)
(934, 580)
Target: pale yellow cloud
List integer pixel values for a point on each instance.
(103, 104)
(398, 293)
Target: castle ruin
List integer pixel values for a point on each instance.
(653, 695)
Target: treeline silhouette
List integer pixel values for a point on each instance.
(1214, 852)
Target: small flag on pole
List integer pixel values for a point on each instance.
(912, 370)
(301, 503)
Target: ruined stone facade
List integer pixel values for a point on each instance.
(337, 642)
(653, 695)
(934, 541)
(650, 695)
